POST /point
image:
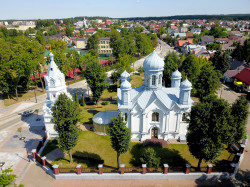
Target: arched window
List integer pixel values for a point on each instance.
(147, 80)
(52, 83)
(155, 116)
(159, 80)
(126, 117)
(153, 80)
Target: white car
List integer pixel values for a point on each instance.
(28, 112)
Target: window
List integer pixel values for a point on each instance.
(126, 117)
(159, 81)
(155, 116)
(153, 80)
(185, 117)
(52, 83)
(147, 80)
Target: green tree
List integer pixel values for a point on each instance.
(7, 179)
(209, 128)
(149, 157)
(96, 78)
(172, 62)
(93, 42)
(65, 116)
(207, 82)
(239, 113)
(116, 43)
(213, 46)
(69, 31)
(83, 100)
(123, 63)
(221, 61)
(143, 44)
(119, 135)
(76, 99)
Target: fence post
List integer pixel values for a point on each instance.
(100, 166)
(122, 168)
(43, 160)
(209, 168)
(165, 168)
(188, 168)
(78, 169)
(46, 134)
(144, 168)
(242, 147)
(233, 166)
(41, 142)
(33, 151)
(56, 169)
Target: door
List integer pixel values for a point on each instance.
(154, 132)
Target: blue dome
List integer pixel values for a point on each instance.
(153, 62)
(176, 74)
(125, 85)
(186, 84)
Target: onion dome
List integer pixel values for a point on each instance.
(186, 84)
(153, 62)
(176, 74)
(125, 75)
(125, 85)
(51, 56)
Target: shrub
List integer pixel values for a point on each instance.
(149, 157)
(105, 103)
(83, 100)
(140, 70)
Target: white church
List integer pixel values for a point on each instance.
(54, 86)
(152, 110)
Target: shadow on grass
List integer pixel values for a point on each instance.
(90, 159)
(167, 156)
(112, 88)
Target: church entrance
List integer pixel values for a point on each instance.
(154, 132)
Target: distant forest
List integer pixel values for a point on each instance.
(230, 17)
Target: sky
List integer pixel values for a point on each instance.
(46, 9)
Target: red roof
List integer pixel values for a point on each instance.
(103, 62)
(174, 27)
(2, 25)
(244, 76)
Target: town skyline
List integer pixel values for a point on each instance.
(118, 9)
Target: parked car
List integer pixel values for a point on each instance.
(28, 112)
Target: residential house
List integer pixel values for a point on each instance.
(228, 76)
(183, 29)
(242, 80)
(196, 31)
(204, 40)
(189, 35)
(180, 35)
(179, 43)
(80, 43)
(222, 40)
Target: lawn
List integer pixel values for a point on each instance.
(93, 149)
(86, 115)
(137, 80)
(21, 97)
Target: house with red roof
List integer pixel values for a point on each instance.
(242, 80)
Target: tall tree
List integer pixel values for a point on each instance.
(172, 62)
(69, 31)
(221, 61)
(119, 135)
(209, 128)
(207, 82)
(116, 43)
(124, 62)
(65, 114)
(93, 42)
(239, 114)
(96, 77)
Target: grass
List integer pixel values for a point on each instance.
(137, 80)
(93, 149)
(86, 115)
(21, 97)
(51, 145)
